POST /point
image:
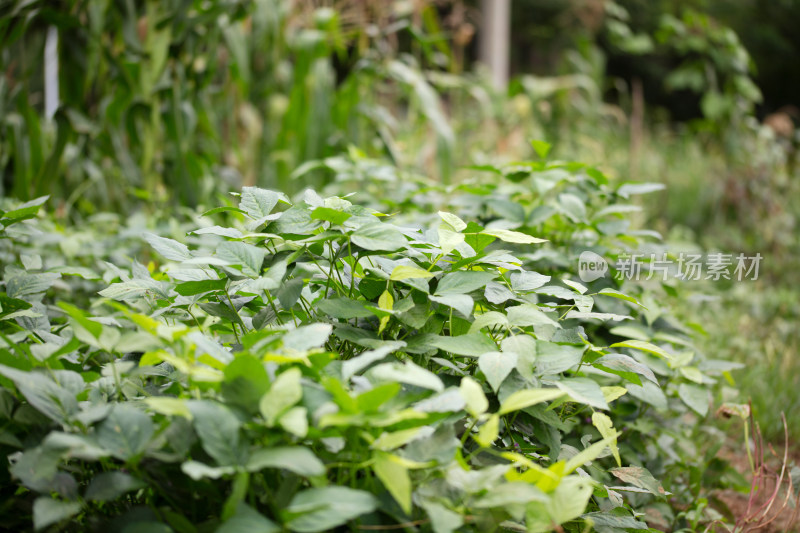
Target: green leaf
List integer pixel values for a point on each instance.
(407, 372)
(245, 382)
(365, 359)
(443, 520)
(295, 220)
(238, 491)
(477, 404)
(258, 203)
(232, 233)
(249, 257)
(343, 308)
(22, 212)
(297, 459)
(650, 393)
(126, 432)
(625, 366)
(295, 421)
(47, 511)
(512, 236)
(394, 476)
(572, 206)
(497, 366)
(606, 428)
(616, 294)
(190, 288)
(695, 397)
(198, 471)
(449, 240)
(168, 248)
(290, 292)
(528, 397)
(370, 401)
(574, 285)
(639, 477)
(597, 316)
(489, 320)
(378, 236)
(285, 392)
(510, 494)
(570, 499)
(388, 441)
(334, 216)
(307, 337)
(528, 281)
(460, 302)
(588, 454)
(325, 508)
(135, 288)
(25, 284)
(456, 223)
(627, 189)
(645, 347)
(11, 305)
(488, 432)
(94, 328)
(168, 406)
(478, 241)
(583, 390)
(463, 282)
(471, 344)
(401, 272)
(218, 429)
(44, 394)
(108, 486)
(616, 519)
(222, 209)
(552, 358)
(541, 148)
(247, 520)
(529, 315)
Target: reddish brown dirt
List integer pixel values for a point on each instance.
(783, 516)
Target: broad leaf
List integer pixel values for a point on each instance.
(496, 366)
(218, 429)
(168, 248)
(297, 459)
(325, 508)
(126, 432)
(463, 282)
(378, 236)
(394, 476)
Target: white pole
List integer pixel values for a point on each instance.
(495, 35)
(51, 73)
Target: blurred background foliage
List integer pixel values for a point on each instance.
(177, 103)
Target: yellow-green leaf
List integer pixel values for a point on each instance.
(455, 222)
(488, 432)
(606, 428)
(614, 392)
(525, 398)
(401, 272)
(394, 476)
(168, 406)
(477, 404)
(512, 236)
(645, 347)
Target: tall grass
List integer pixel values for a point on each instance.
(177, 101)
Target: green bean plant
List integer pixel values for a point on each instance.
(310, 363)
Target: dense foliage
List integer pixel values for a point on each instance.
(306, 364)
(387, 328)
